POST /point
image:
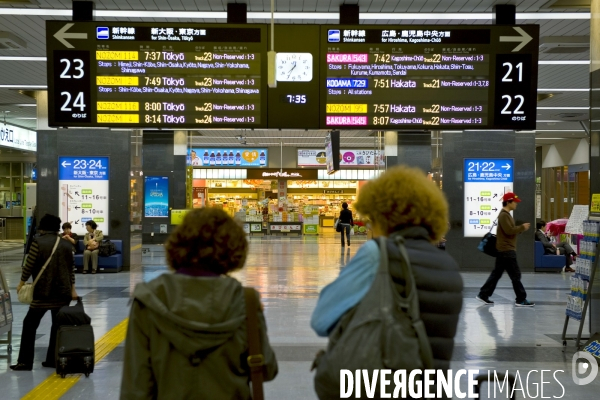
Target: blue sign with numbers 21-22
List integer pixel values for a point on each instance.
(488, 170)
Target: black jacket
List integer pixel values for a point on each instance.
(439, 286)
(548, 247)
(346, 217)
(54, 287)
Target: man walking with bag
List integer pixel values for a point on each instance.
(506, 260)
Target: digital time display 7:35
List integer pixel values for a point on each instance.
(293, 98)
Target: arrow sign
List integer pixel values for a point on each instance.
(62, 35)
(523, 39)
(77, 208)
(494, 209)
(77, 220)
(64, 164)
(506, 167)
(77, 193)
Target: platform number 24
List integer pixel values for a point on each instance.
(511, 71)
(72, 70)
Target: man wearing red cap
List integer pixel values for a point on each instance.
(506, 260)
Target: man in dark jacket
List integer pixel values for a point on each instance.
(54, 289)
(562, 248)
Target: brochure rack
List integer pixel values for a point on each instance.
(6, 315)
(582, 281)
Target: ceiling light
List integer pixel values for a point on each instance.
(290, 15)
(563, 90)
(11, 58)
(41, 87)
(564, 62)
(562, 108)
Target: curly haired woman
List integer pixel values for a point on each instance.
(402, 201)
(187, 333)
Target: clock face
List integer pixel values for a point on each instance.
(294, 67)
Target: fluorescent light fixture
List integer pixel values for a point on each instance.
(563, 90)
(563, 108)
(565, 62)
(559, 130)
(291, 15)
(552, 120)
(9, 58)
(41, 87)
(24, 118)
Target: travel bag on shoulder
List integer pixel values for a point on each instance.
(488, 243)
(25, 294)
(256, 359)
(384, 331)
(338, 225)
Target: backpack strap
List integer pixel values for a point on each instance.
(256, 359)
(411, 296)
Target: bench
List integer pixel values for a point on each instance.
(547, 262)
(113, 263)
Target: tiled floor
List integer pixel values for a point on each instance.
(289, 272)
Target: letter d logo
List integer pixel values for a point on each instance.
(579, 367)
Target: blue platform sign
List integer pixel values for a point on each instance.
(83, 168)
(489, 170)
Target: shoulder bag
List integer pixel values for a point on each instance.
(256, 359)
(25, 295)
(488, 243)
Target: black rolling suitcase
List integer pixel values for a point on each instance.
(75, 344)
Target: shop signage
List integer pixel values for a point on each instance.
(156, 197)
(18, 138)
(177, 216)
(333, 191)
(255, 227)
(221, 157)
(311, 229)
(83, 192)
(301, 174)
(485, 182)
(286, 228)
(348, 158)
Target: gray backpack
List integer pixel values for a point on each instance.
(384, 331)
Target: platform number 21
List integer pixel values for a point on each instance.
(511, 71)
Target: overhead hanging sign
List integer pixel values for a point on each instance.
(83, 192)
(156, 74)
(348, 158)
(485, 182)
(18, 138)
(220, 157)
(429, 77)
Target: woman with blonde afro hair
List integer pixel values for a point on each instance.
(402, 202)
(403, 197)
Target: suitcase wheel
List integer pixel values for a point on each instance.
(63, 375)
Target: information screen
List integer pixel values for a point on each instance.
(156, 74)
(429, 77)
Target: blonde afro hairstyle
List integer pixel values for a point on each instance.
(403, 197)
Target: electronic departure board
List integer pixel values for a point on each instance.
(160, 74)
(429, 77)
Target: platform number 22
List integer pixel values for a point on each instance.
(509, 77)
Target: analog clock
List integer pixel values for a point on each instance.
(294, 67)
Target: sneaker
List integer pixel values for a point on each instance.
(487, 302)
(525, 303)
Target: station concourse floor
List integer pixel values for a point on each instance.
(289, 273)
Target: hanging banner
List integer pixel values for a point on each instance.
(349, 158)
(228, 157)
(18, 138)
(156, 197)
(83, 192)
(485, 182)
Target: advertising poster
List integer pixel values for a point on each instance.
(156, 197)
(83, 192)
(348, 158)
(228, 157)
(485, 182)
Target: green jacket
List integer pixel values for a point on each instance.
(187, 340)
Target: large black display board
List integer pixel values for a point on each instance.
(429, 77)
(156, 75)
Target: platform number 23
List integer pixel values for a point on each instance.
(509, 76)
(72, 70)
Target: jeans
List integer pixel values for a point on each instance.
(30, 325)
(93, 255)
(505, 261)
(345, 229)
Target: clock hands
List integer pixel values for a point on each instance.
(290, 73)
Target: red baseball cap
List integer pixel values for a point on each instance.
(510, 196)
